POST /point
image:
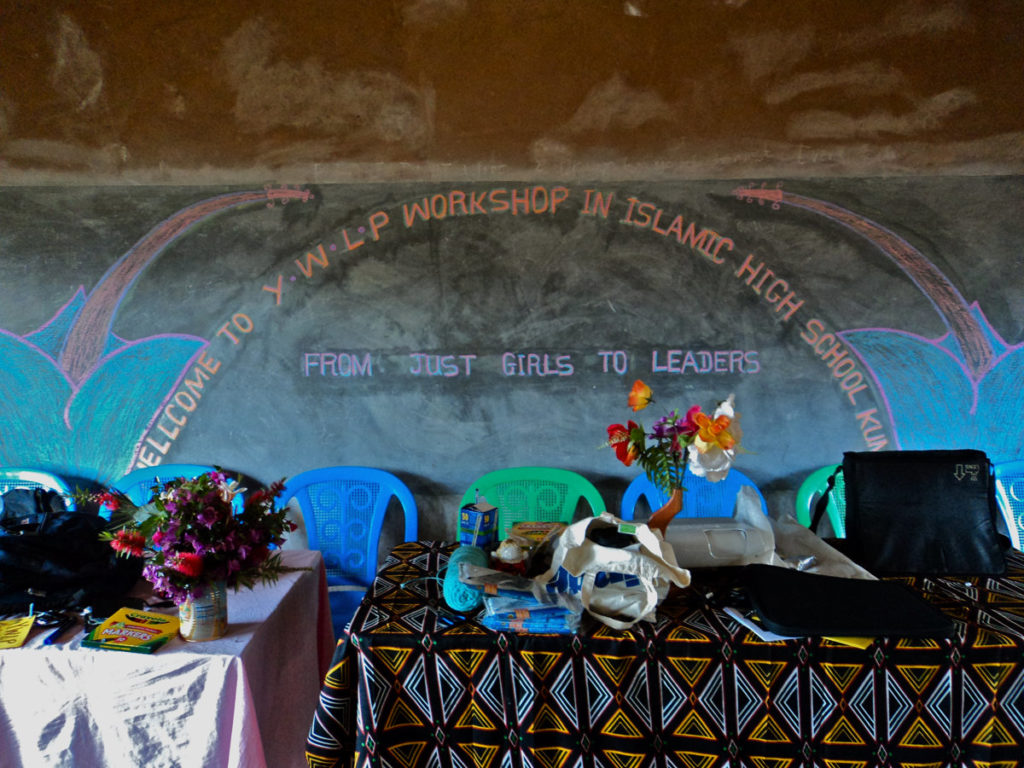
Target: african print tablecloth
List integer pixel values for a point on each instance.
(409, 687)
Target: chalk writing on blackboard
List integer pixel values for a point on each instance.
(90, 399)
(441, 365)
(344, 364)
(456, 202)
(969, 378)
(836, 357)
(96, 401)
(176, 411)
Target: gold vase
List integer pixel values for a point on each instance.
(660, 519)
(205, 617)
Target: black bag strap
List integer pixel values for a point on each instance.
(822, 503)
(43, 507)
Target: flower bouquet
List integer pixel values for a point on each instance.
(193, 539)
(707, 443)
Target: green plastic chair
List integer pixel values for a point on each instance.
(534, 494)
(810, 491)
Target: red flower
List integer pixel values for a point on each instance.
(618, 438)
(110, 500)
(129, 542)
(188, 563)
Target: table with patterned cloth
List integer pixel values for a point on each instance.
(412, 687)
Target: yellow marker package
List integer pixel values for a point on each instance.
(130, 629)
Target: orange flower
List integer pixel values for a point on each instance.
(718, 438)
(618, 438)
(713, 432)
(640, 396)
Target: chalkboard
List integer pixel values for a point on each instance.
(441, 330)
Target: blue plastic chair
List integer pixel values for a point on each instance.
(1010, 496)
(701, 497)
(138, 484)
(534, 494)
(343, 509)
(21, 477)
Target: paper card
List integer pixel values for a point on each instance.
(14, 632)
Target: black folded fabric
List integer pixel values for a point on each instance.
(800, 604)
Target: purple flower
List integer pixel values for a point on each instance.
(207, 517)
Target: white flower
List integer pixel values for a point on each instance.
(229, 489)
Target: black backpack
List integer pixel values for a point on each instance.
(52, 558)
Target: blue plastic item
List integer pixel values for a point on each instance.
(22, 477)
(343, 509)
(1010, 496)
(701, 497)
(534, 494)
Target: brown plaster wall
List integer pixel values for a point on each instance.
(131, 91)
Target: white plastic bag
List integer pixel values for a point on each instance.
(706, 542)
(618, 585)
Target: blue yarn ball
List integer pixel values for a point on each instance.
(461, 597)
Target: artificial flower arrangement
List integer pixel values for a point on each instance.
(708, 443)
(192, 537)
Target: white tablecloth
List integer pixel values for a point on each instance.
(243, 701)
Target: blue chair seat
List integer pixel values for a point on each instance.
(138, 484)
(24, 477)
(701, 497)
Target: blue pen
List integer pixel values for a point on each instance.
(61, 628)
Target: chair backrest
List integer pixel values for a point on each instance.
(138, 484)
(534, 494)
(812, 488)
(343, 509)
(21, 477)
(1010, 495)
(701, 497)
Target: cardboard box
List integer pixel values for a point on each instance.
(478, 525)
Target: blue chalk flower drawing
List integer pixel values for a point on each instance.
(80, 396)
(959, 390)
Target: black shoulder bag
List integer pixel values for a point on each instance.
(53, 558)
(921, 512)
